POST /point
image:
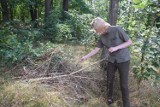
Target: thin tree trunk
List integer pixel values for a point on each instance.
(113, 12)
(65, 8)
(65, 5)
(36, 11)
(11, 11)
(33, 12)
(47, 8)
(22, 17)
(5, 10)
(0, 15)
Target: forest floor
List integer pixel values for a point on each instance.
(56, 79)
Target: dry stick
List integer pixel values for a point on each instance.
(87, 66)
(71, 74)
(84, 77)
(49, 62)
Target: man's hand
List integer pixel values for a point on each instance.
(112, 49)
(83, 59)
(121, 46)
(93, 52)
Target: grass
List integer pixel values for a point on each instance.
(22, 93)
(26, 94)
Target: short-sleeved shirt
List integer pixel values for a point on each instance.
(115, 36)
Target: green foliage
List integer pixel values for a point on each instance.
(50, 28)
(55, 29)
(74, 27)
(80, 6)
(80, 25)
(17, 44)
(150, 57)
(21, 6)
(63, 33)
(100, 8)
(144, 34)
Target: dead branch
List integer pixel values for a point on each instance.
(87, 67)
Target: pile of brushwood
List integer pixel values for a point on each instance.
(76, 83)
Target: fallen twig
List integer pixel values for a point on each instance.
(87, 66)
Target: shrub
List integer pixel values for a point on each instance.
(17, 44)
(75, 27)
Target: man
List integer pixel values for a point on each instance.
(116, 41)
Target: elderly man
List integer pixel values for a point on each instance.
(116, 41)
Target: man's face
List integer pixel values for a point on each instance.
(98, 31)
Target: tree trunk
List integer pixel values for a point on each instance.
(47, 8)
(65, 5)
(113, 12)
(33, 12)
(5, 10)
(0, 15)
(65, 8)
(11, 11)
(22, 17)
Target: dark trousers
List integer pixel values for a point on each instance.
(123, 69)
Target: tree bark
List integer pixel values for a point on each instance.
(11, 11)
(65, 5)
(113, 12)
(5, 10)
(65, 8)
(33, 12)
(47, 8)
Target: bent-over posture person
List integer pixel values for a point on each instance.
(116, 42)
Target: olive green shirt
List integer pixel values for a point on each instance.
(115, 36)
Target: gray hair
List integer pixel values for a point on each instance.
(99, 23)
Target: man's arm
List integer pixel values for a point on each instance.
(93, 52)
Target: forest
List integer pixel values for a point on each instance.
(42, 41)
